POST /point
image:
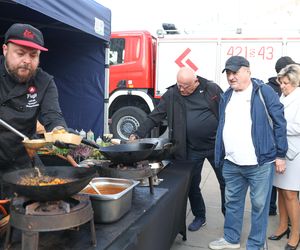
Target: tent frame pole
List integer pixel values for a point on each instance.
(106, 90)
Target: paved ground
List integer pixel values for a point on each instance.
(214, 227)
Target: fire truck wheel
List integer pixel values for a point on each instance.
(125, 121)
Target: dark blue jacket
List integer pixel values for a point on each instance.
(269, 143)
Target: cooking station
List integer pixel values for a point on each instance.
(34, 217)
(152, 223)
(140, 160)
(136, 171)
(48, 207)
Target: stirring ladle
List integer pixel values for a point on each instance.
(28, 144)
(6, 125)
(95, 188)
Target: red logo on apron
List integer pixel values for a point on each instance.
(32, 90)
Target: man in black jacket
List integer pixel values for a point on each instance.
(281, 63)
(191, 107)
(27, 93)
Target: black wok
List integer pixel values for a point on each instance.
(162, 151)
(80, 178)
(128, 153)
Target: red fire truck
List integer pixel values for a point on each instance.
(143, 66)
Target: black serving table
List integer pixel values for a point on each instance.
(152, 223)
(158, 228)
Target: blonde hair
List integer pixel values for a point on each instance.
(292, 72)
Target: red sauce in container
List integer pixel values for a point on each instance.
(107, 189)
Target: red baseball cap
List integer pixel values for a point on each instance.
(25, 35)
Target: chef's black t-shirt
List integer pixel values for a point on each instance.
(201, 122)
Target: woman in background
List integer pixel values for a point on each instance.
(288, 183)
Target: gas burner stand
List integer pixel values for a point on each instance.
(155, 169)
(31, 223)
(137, 171)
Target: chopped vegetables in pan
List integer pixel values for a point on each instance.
(42, 181)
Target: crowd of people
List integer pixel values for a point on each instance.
(250, 134)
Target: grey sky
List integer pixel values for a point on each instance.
(271, 15)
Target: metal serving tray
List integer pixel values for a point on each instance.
(111, 207)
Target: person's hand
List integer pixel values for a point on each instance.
(31, 152)
(280, 165)
(132, 137)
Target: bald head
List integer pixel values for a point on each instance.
(185, 75)
(187, 81)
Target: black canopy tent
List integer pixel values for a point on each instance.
(77, 35)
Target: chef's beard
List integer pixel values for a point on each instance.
(13, 72)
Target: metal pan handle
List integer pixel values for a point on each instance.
(90, 143)
(6, 125)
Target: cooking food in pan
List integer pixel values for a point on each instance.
(42, 180)
(79, 178)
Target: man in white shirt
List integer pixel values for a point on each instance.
(248, 146)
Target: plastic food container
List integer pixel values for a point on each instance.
(115, 199)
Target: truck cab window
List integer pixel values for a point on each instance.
(117, 51)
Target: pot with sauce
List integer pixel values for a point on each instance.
(115, 199)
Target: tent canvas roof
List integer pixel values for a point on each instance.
(85, 15)
(76, 34)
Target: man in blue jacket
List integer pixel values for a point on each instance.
(250, 143)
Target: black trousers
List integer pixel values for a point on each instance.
(273, 206)
(195, 196)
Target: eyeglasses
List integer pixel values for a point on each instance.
(185, 86)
